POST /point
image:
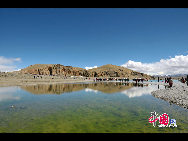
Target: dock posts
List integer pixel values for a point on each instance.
(158, 79)
(187, 80)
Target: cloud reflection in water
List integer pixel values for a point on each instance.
(7, 93)
(139, 91)
(91, 90)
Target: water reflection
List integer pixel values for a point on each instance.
(91, 90)
(7, 93)
(109, 88)
(81, 112)
(53, 88)
(139, 91)
(130, 89)
(65, 88)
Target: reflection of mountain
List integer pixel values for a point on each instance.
(110, 87)
(63, 88)
(130, 89)
(139, 91)
(53, 88)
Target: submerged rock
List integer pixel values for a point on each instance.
(12, 106)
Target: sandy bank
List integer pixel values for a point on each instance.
(20, 82)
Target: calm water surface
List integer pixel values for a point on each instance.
(85, 107)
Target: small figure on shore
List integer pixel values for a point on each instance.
(136, 80)
(170, 82)
(167, 80)
(182, 80)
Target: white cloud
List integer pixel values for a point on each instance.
(7, 64)
(6, 61)
(87, 68)
(176, 65)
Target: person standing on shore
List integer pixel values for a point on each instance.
(181, 80)
(165, 80)
(170, 82)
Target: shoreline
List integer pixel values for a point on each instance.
(20, 82)
(177, 94)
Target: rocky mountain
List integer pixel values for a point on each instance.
(54, 69)
(103, 71)
(110, 70)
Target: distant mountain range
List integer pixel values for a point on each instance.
(108, 70)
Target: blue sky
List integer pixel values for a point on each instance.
(92, 37)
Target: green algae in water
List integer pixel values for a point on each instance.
(89, 108)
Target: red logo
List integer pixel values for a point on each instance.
(163, 119)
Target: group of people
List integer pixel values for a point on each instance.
(36, 76)
(169, 80)
(121, 79)
(112, 79)
(139, 79)
(183, 80)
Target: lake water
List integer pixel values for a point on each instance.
(108, 107)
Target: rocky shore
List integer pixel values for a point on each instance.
(177, 94)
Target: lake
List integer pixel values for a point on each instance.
(102, 107)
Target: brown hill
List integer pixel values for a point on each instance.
(103, 71)
(110, 70)
(54, 69)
